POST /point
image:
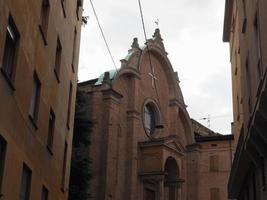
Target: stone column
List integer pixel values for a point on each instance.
(133, 122)
(111, 102)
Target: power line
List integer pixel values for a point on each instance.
(107, 46)
(142, 18)
(103, 35)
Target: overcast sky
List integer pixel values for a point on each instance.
(192, 34)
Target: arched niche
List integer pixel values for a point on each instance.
(172, 180)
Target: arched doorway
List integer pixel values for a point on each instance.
(171, 180)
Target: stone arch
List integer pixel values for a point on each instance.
(186, 121)
(171, 168)
(171, 179)
(165, 63)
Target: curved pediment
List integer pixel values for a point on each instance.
(154, 79)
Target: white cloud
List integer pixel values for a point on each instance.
(192, 33)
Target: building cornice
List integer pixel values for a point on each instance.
(214, 138)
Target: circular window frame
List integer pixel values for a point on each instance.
(153, 105)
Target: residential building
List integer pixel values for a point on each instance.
(39, 48)
(245, 29)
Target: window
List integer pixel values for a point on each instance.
(25, 184)
(51, 129)
(214, 194)
(237, 106)
(58, 59)
(44, 193)
(44, 19)
(248, 81)
(63, 4)
(10, 51)
(244, 26)
(35, 99)
(257, 46)
(74, 50)
(2, 159)
(149, 118)
(69, 105)
(236, 63)
(78, 5)
(263, 174)
(214, 163)
(64, 167)
(233, 25)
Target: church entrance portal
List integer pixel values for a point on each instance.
(171, 180)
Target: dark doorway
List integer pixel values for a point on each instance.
(150, 195)
(171, 177)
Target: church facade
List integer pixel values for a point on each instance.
(143, 142)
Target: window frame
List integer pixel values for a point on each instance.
(25, 169)
(74, 49)
(63, 5)
(64, 167)
(58, 58)
(150, 106)
(11, 47)
(78, 6)
(45, 193)
(69, 104)
(51, 131)
(3, 149)
(214, 163)
(44, 23)
(35, 100)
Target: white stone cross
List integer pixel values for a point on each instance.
(153, 77)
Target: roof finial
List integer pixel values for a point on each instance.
(135, 43)
(157, 34)
(158, 39)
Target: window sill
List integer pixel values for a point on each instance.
(8, 79)
(33, 121)
(43, 35)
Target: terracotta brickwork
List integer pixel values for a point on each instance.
(37, 106)
(129, 160)
(213, 158)
(214, 168)
(245, 29)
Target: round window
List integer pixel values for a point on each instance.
(150, 118)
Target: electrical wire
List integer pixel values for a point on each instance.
(103, 35)
(105, 41)
(149, 57)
